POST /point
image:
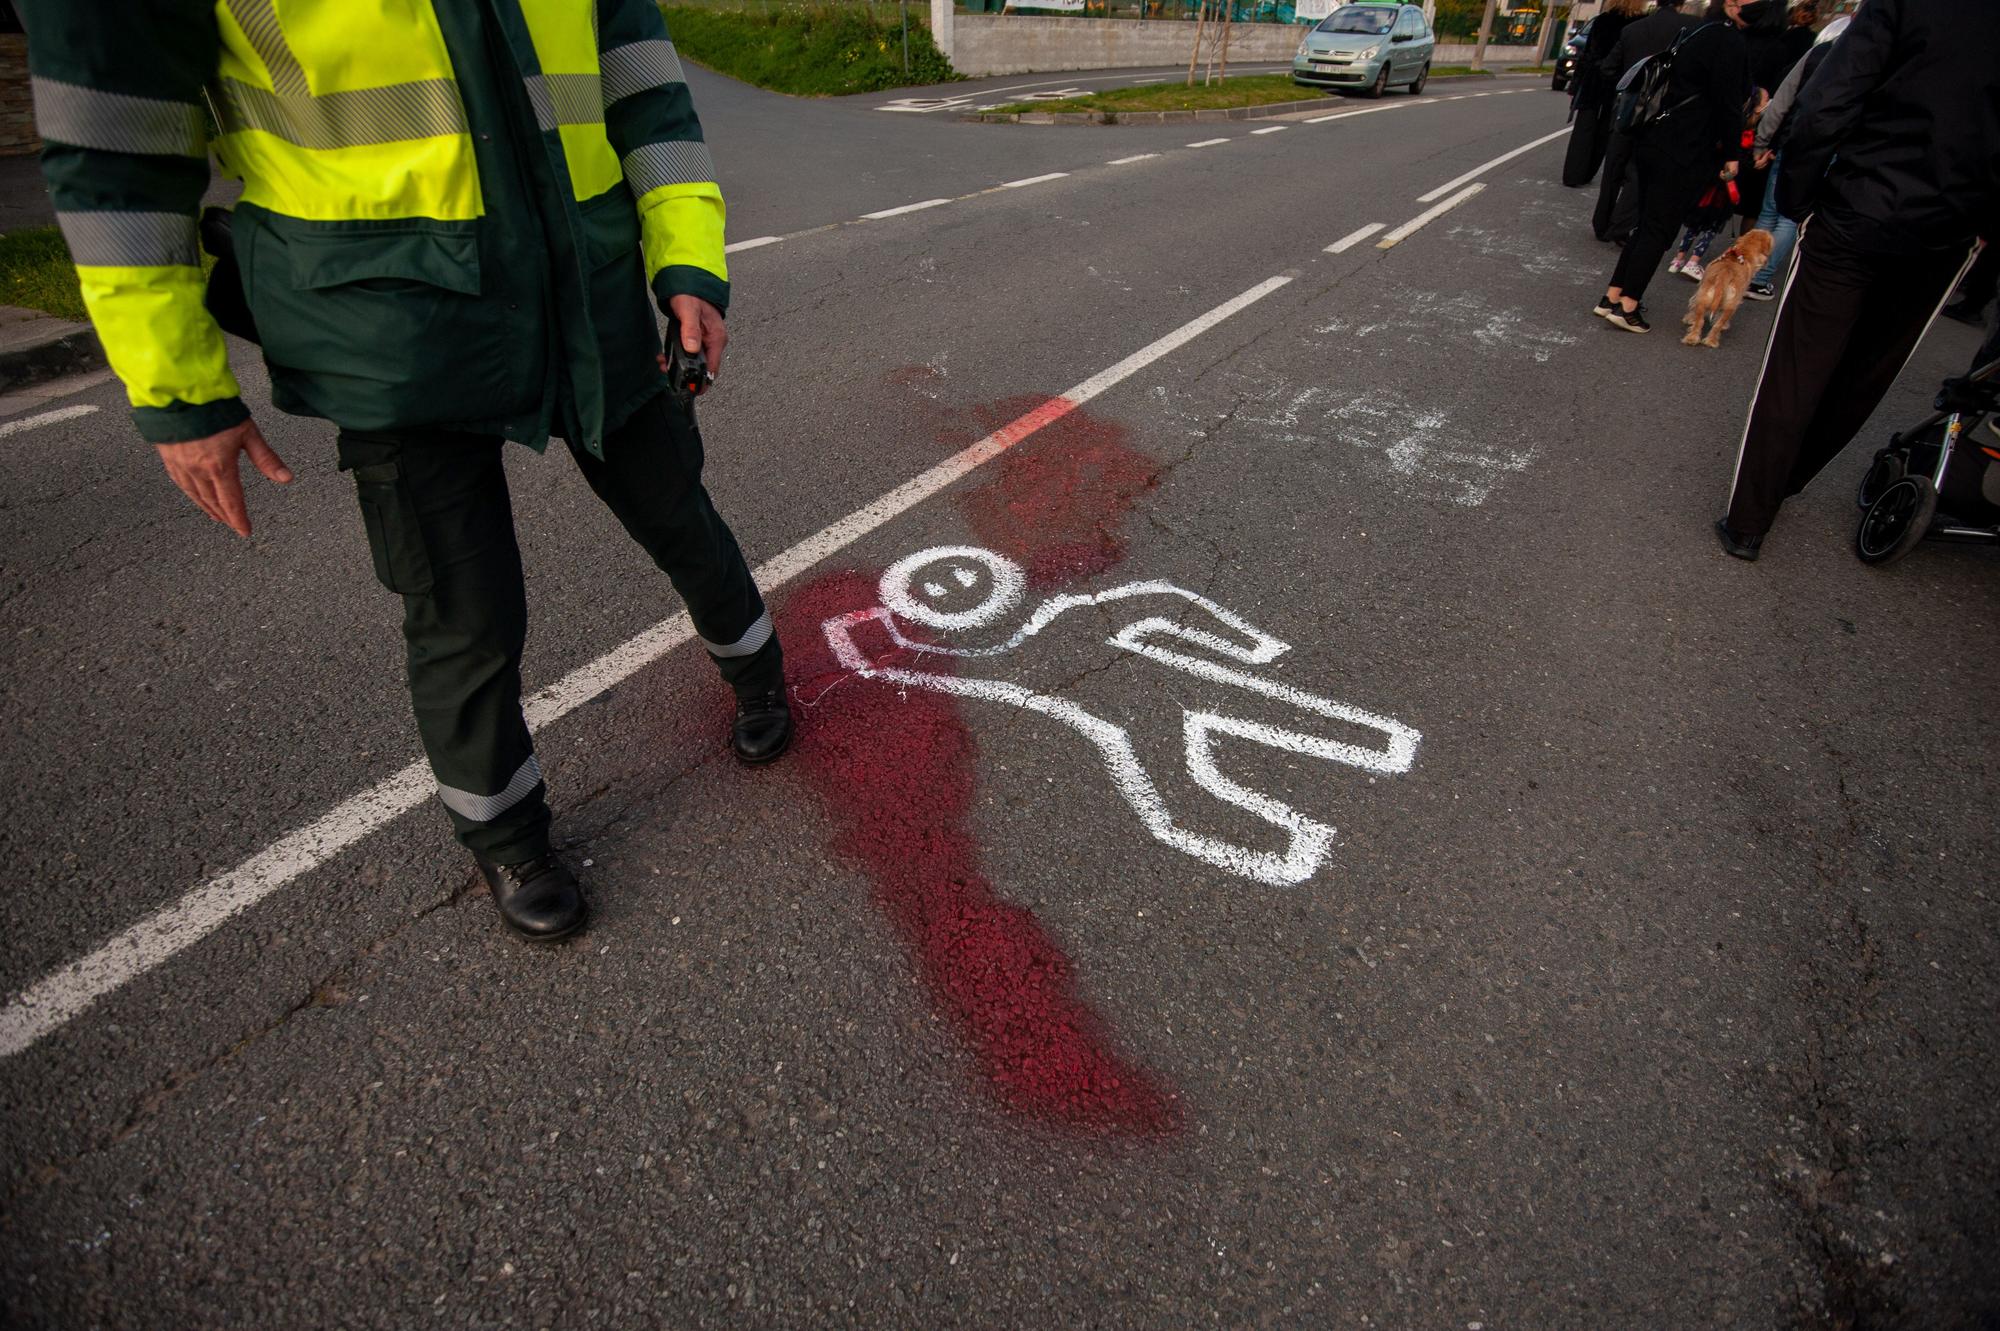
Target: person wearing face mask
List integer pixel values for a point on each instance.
(1892, 168)
(1693, 143)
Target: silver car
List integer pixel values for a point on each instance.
(1376, 47)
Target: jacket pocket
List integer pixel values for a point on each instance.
(395, 533)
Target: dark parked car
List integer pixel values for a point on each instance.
(1568, 58)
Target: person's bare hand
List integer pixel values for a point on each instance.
(1764, 159)
(701, 330)
(207, 471)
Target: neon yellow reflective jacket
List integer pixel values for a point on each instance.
(451, 210)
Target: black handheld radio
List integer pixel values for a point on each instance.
(688, 375)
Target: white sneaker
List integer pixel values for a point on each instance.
(1692, 270)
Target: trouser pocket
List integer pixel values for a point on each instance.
(395, 535)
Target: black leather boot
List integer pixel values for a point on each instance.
(763, 726)
(539, 899)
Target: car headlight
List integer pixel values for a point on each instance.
(1303, 43)
(1368, 54)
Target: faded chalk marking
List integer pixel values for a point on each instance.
(58, 997)
(1353, 238)
(1484, 167)
(906, 208)
(1426, 217)
(1310, 841)
(46, 418)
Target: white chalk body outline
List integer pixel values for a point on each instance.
(1311, 841)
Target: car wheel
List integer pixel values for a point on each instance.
(1423, 77)
(1381, 84)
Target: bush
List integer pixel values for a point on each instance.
(809, 50)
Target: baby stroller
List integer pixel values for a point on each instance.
(1935, 479)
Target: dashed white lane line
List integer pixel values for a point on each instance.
(1033, 180)
(1275, 129)
(1207, 143)
(58, 997)
(1484, 167)
(1138, 157)
(913, 208)
(1427, 216)
(1364, 111)
(46, 418)
(1353, 238)
(750, 244)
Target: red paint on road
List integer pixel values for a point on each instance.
(895, 772)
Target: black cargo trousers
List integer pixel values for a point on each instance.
(441, 530)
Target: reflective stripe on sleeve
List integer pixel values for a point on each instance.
(565, 99)
(115, 122)
(130, 240)
(422, 110)
(749, 644)
(259, 21)
(485, 808)
(682, 162)
(639, 67)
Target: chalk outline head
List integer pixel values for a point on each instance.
(1005, 581)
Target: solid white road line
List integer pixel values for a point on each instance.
(751, 244)
(906, 208)
(1427, 216)
(1484, 167)
(46, 418)
(1272, 130)
(1033, 180)
(1121, 161)
(1207, 143)
(1353, 238)
(59, 996)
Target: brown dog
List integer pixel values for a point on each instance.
(1722, 287)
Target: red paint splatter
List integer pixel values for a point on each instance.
(895, 772)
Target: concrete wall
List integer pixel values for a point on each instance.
(983, 44)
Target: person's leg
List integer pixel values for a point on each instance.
(441, 530)
(1896, 307)
(1784, 233)
(1666, 190)
(650, 477)
(1976, 289)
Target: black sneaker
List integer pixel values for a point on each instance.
(1632, 320)
(1743, 547)
(1761, 291)
(1604, 308)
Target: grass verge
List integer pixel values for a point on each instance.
(808, 50)
(36, 274)
(1256, 90)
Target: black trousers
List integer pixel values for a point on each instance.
(1847, 325)
(441, 531)
(1618, 196)
(1669, 188)
(1588, 136)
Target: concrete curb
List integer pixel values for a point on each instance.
(1265, 112)
(35, 347)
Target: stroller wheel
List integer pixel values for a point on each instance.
(1896, 521)
(1886, 471)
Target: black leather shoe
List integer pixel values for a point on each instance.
(763, 727)
(1743, 547)
(539, 899)
(1964, 311)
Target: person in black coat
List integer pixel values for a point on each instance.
(1892, 166)
(1695, 141)
(1591, 103)
(1641, 39)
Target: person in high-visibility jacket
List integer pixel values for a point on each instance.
(451, 213)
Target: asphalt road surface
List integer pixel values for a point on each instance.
(1648, 979)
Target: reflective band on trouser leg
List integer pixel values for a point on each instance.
(425, 109)
(683, 162)
(485, 808)
(749, 644)
(130, 240)
(114, 122)
(638, 67)
(565, 99)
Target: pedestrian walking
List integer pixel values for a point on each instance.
(1689, 146)
(1591, 102)
(1767, 151)
(1618, 194)
(451, 215)
(1892, 166)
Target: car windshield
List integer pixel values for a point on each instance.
(1370, 19)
